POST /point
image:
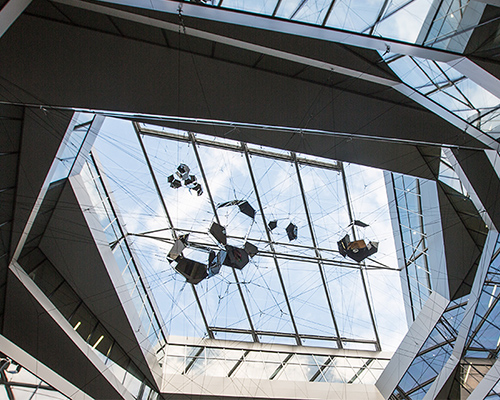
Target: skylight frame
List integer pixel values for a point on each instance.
(296, 161)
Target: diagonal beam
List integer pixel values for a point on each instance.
(281, 366)
(351, 219)
(360, 371)
(322, 368)
(271, 245)
(4, 381)
(328, 12)
(318, 254)
(10, 12)
(214, 208)
(171, 225)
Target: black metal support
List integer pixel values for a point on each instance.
(318, 254)
(363, 279)
(271, 244)
(214, 208)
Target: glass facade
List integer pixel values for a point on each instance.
(126, 263)
(411, 221)
(193, 361)
(17, 383)
(292, 290)
(395, 19)
(448, 21)
(433, 354)
(483, 340)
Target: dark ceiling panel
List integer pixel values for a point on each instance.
(190, 44)
(139, 31)
(280, 66)
(484, 41)
(11, 123)
(88, 19)
(483, 178)
(236, 55)
(41, 136)
(363, 151)
(47, 9)
(90, 74)
(460, 249)
(346, 56)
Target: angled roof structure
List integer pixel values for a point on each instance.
(285, 112)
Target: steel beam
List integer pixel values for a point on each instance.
(318, 254)
(214, 208)
(292, 335)
(4, 381)
(322, 368)
(10, 12)
(280, 255)
(277, 347)
(271, 243)
(351, 219)
(171, 225)
(327, 164)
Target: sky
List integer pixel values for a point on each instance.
(229, 179)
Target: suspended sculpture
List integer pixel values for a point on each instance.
(189, 180)
(291, 231)
(243, 205)
(228, 255)
(358, 250)
(272, 225)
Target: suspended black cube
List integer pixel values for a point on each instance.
(291, 231)
(372, 248)
(357, 222)
(272, 225)
(215, 262)
(236, 257)
(243, 205)
(174, 183)
(357, 250)
(343, 244)
(193, 271)
(176, 249)
(247, 209)
(218, 232)
(198, 189)
(183, 171)
(251, 249)
(184, 238)
(191, 182)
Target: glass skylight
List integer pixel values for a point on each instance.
(395, 19)
(451, 89)
(292, 292)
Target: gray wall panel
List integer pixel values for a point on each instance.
(31, 328)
